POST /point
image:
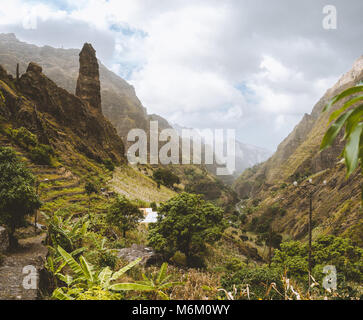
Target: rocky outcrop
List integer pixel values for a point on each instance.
(147, 255)
(119, 101)
(58, 117)
(88, 83)
(4, 240)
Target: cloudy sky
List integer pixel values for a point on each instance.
(256, 66)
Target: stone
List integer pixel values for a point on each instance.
(88, 83)
(147, 255)
(33, 67)
(4, 240)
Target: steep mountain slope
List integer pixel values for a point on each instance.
(119, 102)
(337, 207)
(58, 118)
(33, 109)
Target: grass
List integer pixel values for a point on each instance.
(136, 185)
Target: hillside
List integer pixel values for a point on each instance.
(337, 208)
(119, 102)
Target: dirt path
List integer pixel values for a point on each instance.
(31, 253)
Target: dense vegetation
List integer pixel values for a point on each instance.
(185, 224)
(17, 192)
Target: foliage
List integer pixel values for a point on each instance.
(186, 223)
(64, 231)
(326, 250)
(165, 177)
(90, 188)
(109, 164)
(159, 282)
(85, 279)
(257, 279)
(124, 214)
(211, 190)
(17, 193)
(153, 206)
(349, 116)
(41, 154)
(262, 223)
(23, 137)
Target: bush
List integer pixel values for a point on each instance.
(41, 154)
(107, 259)
(326, 250)
(109, 164)
(23, 137)
(234, 265)
(124, 214)
(188, 222)
(179, 259)
(153, 206)
(165, 177)
(259, 280)
(90, 188)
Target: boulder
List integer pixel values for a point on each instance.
(147, 254)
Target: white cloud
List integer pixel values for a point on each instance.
(187, 58)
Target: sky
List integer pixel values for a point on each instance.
(250, 65)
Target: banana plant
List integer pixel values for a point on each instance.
(69, 230)
(352, 120)
(85, 277)
(158, 283)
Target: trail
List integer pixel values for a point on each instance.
(31, 252)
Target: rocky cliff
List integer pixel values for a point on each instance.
(119, 102)
(57, 117)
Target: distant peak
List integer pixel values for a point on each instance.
(8, 36)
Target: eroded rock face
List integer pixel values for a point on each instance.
(57, 117)
(4, 240)
(88, 83)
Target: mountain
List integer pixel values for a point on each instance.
(58, 118)
(246, 155)
(337, 207)
(119, 102)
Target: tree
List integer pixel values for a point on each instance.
(124, 215)
(165, 177)
(18, 197)
(186, 223)
(351, 119)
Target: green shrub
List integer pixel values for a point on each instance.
(109, 164)
(107, 259)
(23, 137)
(234, 265)
(165, 177)
(41, 154)
(188, 223)
(179, 259)
(259, 280)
